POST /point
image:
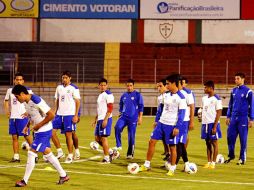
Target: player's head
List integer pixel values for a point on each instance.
(103, 84)
(239, 79)
(208, 87)
(184, 81)
(161, 86)
(130, 85)
(172, 82)
(20, 92)
(66, 78)
(18, 78)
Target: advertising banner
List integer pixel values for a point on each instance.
(191, 9)
(124, 9)
(19, 8)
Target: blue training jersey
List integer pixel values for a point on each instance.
(131, 104)
(241, 102)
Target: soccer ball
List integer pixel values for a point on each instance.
(220, 159)
(115, 154)
(133, 168)
(94, 145)
(192, 168)
(25, 145)
(167, 165)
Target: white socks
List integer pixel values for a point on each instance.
(16, 156)
(147, 164)
(29, 165)
(55, 162)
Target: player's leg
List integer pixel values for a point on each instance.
(13, 131)
(75, 143)
(232, 133)
(173, 153)
(57, 124)
(243, 134)
(120, 124)
(132, 126)
(214, 153)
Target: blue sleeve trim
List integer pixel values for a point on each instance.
(36, 99)
(74, 86)
(108, 92)
(217, 96)
(159, 112)
(187, 90)
(180, 94)
(181, 114)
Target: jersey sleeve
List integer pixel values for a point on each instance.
(218, 105)
(8, 94)
(76, 94)
(110, 99)
(190, 99)
(43, 106)
(56, 93)
(140, 103)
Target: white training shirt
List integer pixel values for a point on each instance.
(172, 103)
(104, 98)
(209, 107)
(189, 100)
(17, 108)
(66, 96)
(160, 99)
(37, 109)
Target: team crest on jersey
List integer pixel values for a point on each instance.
(62, 98)
(132, 98)
(15, 101)
(68, 91)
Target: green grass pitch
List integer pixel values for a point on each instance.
(88, 173)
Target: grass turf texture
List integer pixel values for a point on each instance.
(89, 173)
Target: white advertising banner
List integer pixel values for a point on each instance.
(166, 31)
(80, 30)
(228, 32)
(190, 9)
(16, 30)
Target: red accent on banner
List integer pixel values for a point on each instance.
(247, 9)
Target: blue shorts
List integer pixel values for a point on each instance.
(183, 132)
(164, 132)
(100, 131)
(41, 141)
(206, 132)
(16, 126)
(64, 123)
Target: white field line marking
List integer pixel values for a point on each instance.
(42, 164)
(160, 178)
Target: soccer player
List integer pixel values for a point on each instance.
(185, 82)
(240, 116)
(40, 117)
(187, 124)
(67, 102)
(171, 119)
(131, 111)
(161, 87)
(103, 119)
(210, 131)
(17, 117)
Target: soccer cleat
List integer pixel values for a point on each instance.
(228, 160)
(77, 157)
(14, 160)
(142, 168)
(104, 161)
(63, 179)
(212, 166)
(68, 160)
(129, 157)
(170, 173)
(36, 159)
(207, 165)
(60, 155)
(240, 162)
(20, 183)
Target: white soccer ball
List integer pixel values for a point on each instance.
(133, 168)
(220, 159)
(167, 165)
(115, 154)
(192, 169)
(25, 145)
(94, 145)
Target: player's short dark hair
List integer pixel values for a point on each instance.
(130, 81)
(17, 89)
(242, 75)
(186, 80)
(174, 78)
(67, 73)
(209, 84)
(18, 74)
(103, 80)
(163, 81)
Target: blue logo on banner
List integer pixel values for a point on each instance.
(89, 9)
(162, 7)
